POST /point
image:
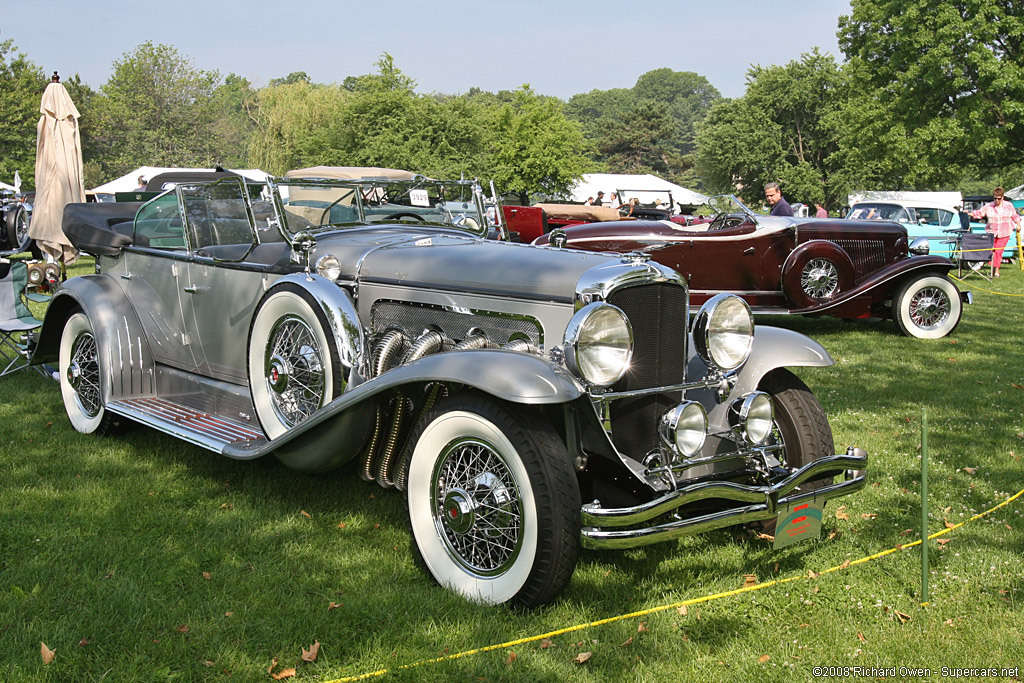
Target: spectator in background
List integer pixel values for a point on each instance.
(821, 212)
(1001, 215)
(599, 201)
(780, 207)
(614, 201)
(589, 202)
(142, 184)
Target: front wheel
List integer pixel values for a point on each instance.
(494, 503)
(80, 371)
(801, 427)
(927, 307)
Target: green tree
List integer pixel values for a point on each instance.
(21, 90)
(785, 128)
(945, 78)
(231, 126)
(640, 141)
(157, 109)
(535, 148)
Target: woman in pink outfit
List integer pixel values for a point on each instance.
(1002, 217)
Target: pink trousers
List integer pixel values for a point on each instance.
(997, 251)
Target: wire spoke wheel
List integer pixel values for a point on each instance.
(819, 278)
(476, 506)
(84, 374)
(295, 370)
(929, 307)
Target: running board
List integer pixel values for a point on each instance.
(200, 428)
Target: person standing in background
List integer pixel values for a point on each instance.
(780, 207)
(1001, 215)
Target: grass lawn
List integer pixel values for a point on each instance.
(137, 557)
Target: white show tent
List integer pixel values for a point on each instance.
(646, 183)
(130, 181)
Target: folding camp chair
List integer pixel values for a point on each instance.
(15, 319)
(973, 250)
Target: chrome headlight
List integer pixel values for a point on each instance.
(753, 416)
(329, 267)
(599, 344)
(723, 331)
(920, 246)
(684, 428)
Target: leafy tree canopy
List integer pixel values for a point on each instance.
(21, 89)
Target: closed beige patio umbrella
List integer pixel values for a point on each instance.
(58, 171)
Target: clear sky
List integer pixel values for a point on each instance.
(559, 48)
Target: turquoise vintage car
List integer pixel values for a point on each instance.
(922, 219)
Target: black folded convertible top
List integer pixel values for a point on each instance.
(100, 228)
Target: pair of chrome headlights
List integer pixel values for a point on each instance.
(598, 341)
(684, 429)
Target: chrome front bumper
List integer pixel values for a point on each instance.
(602, 527)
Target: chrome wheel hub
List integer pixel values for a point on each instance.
(476, 507)
(277, 374)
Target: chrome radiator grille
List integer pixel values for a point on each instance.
(658, 314)
(867, 255)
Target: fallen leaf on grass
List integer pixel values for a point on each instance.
(868, 515)
(861, 638)
(903, 618)
(342, 525)
(943, 541)
(285, 673)
(305, 514)
(310, 654)
(83, 642)
(845, 564)
(581, 657)
(207, 575)
(906, 531)
(229, 614)
(970, 470)
(682, 610)
(273, 663)
(749, 580)
(949, 524)
(947, 510)
(763, 658)
(627, 642)
(47, 653)
(1012, 384)
(182, 629)
(811, 574)
(333, 605)
(642, 627)
(841, 513)
(511, 658)
(207, 663)
(545, 644)
(226, 506)
(765, 537)
(948, 622)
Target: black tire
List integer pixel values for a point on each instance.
(80, 369)
(927, 307)
(494, 503)
(801, 426)
(293, 364)
(16, 228)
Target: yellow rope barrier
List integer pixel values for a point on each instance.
(675, 605)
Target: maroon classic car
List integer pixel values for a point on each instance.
(812, 266)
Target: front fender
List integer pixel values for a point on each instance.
(507, 375)
(126, 361)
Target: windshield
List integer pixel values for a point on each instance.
(727, 203)
(317, 205)
(875, 211)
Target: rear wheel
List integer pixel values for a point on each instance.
(81, 377)
(801, 426)
(494, 504)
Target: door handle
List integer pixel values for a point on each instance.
(749, 250)
(126, 276)
(192, 289)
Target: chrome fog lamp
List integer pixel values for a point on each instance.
(753, 416)
(329, 267)
(723, 331)
(684, 428)
(599, 344)
(920, 246)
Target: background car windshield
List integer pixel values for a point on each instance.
(880, 212)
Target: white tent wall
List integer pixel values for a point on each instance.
(613, 182)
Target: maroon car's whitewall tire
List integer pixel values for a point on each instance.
(293, 366)
(494, 505)
(927, 307)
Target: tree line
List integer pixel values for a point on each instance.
(928, 98)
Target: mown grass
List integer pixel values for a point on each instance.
(176, 564)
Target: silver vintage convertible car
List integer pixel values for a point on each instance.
(529, 401)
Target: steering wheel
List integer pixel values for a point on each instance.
(330, 206)
(718, 222)
(404, 214)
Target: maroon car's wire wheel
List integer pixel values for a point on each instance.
(819, 278)
(929, 307)
(294, 370)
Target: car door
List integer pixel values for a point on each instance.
(221, 290)
(152, 274)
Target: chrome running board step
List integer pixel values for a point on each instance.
(185, 422)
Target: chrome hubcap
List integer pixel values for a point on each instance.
(295, 372)
(820, 278)
(476, 507)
